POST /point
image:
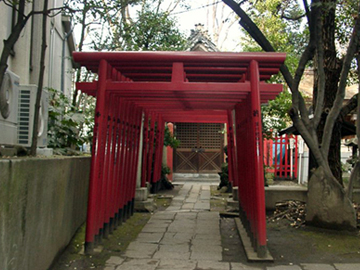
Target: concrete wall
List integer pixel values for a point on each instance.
(42, 204)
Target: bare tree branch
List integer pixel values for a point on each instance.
(307, 11)
(349, 106)
(293, 18)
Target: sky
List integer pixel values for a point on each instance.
(201, 11)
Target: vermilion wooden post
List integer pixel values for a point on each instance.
(132, 154)
(137, 127)
(126, 161)
(122, 175)
(160, 148)
(258, 159)
(108, 167)
(113, 167)
(133, 161)
(129, 159)
(120, 168)
(230, 146)
(151, 148)
(145, 149)
(96, 165)
(158, 158)
(170, 153)
(116, 181)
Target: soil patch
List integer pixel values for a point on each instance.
(233, 250)
(289, 242)
(311, 245)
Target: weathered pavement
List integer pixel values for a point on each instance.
(187, 236)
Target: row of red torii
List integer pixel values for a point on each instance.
(138, 92)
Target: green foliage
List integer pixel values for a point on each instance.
(275, 113)
(165, 170)
(68, 126)
(285, 35)
(152, 31)
(224, 176)
(170, 140)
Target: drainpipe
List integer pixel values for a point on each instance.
(63, 59)
(51, 54)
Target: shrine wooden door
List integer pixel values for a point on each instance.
(200, 149)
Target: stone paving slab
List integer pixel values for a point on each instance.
(166, 215)
(347, 266)
(181, 248)
(206, 236)
(202, 206)
(188, 206)
(110, 267)
(166, 264)
(153, 238)
(207, 229)
(317, 266)
(172, 255)
(213, 254)
(179, 197)
(173, 208)
(191, 200)
(211, 265)
(114, 260)
(206, 242)
(153, 229)
(141, 250)
(186, 215)
(185, 236)
(159, 223)
(137, 264)
(205, 195)
(206, 248)
(204, 224)
(240, 266)
(284, 267)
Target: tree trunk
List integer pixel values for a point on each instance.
(332, 69)
(40, 82)
(328, 205)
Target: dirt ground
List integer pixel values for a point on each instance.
(311, 245)
(288, 245)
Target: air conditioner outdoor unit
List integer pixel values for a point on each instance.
(27, 99)
(9, 108)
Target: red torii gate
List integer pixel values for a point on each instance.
(147, 89)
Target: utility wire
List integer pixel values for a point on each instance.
(201, 7)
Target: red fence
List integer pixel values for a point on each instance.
(281, 156)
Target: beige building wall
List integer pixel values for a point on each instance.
(25, 62)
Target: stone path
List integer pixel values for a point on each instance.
(187, 236)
